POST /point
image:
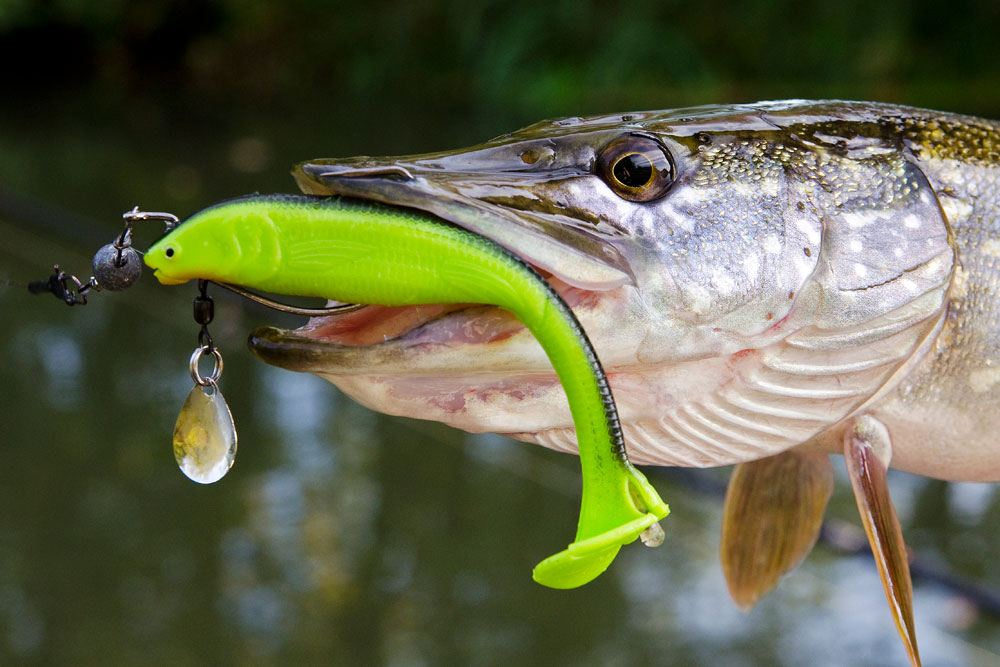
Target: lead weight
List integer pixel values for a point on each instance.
(114, 274)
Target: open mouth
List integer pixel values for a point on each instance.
(439, 323)
(453, 324)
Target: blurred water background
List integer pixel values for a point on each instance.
(344, 537)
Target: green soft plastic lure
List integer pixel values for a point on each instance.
(361, 252)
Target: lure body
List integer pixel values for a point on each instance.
(350, 251)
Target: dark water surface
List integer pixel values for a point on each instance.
(342, 536)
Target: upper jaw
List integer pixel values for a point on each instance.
(460, 189)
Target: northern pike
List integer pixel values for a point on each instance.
(764, 284)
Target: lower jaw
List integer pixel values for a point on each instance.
(476, 403)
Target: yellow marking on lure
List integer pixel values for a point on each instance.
(362, 252)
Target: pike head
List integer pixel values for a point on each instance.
(749, 275)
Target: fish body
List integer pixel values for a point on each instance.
(753, 277)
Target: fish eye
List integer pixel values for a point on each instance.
(636, 168)
(169, 251)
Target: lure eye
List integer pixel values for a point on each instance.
(636, 168)
(169, 252)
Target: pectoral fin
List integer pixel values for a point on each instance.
(771, 520)
(867, 450)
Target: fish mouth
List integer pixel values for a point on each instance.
(411, 340)
(472, 366)
(486, 190)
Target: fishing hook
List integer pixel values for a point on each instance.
(285, 308)
(170, 220)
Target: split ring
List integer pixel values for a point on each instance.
(216, 369)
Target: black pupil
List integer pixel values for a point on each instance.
(169, 252)
(633, 170)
